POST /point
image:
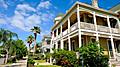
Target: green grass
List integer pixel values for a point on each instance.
(47, 66)
(40, 61)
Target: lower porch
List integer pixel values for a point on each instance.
(104, 42)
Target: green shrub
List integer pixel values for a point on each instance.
(30, 61)
(92, 55)
(65, 58)
(11, 60)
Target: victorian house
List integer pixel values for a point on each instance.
(85, 23)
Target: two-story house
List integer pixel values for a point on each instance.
(85, 23)
(46, 43)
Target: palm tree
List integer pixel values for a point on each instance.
(6, 38)
(30, 39)
(36, 30)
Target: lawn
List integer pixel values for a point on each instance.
(47, 66)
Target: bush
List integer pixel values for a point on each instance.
(11, 60)
(92, 55)
(30, 61)
(65, 58)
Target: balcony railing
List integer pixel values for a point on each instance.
(59, 35)
(103, 28)
(65, 32)
(115, 30)
(87, 26)
(74, 27)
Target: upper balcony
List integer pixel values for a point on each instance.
(87, 23)
(87, 26)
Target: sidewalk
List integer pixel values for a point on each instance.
(20, 63)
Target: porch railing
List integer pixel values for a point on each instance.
(103, 28)
(74, 27)
(65, 32)
(87, 26)
(115, 30)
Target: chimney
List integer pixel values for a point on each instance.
(95, 3)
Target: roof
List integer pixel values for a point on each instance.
(115, 8)
(84, 5)
(46, 36)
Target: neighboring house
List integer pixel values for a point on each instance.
(116, 9)
(84, 23)
(46, 43)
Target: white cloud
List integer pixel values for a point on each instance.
(25, 17)
(44, 4)
(25, 7)
(45, 32)
(3, 4)
(2, 21)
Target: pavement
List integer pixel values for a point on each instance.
(46, 63)
(20, 63)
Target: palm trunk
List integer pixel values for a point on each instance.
(29, 50)
(6, 57)
(35, 34)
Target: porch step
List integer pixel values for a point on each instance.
(115, 62)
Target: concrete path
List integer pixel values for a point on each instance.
(20, 63)
(46, 63)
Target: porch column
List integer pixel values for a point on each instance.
(113, 47)
(96, 29)
(111, 37)
(56, 43)
(68, 25)
(61, 30)
(61, 39)
(79, 30)
(69, 43)
(56, 32)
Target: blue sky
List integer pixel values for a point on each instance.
(21, 15)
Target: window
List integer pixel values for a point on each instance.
(93, 40)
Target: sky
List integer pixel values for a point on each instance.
(20, 16)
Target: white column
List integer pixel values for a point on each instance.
(111, 37)
(113, 48)
(56, 45)
(68, 25)
(95, 23)
(62, 46)
(69, 43)
(61, 31)
(56, 32)
(79, 31)
(108, 22)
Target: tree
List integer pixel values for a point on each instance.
(6, 38)
(30, 39)
(36, 30)
(92, 55)
(21, 49)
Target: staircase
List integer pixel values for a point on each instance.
(116, 61)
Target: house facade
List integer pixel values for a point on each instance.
(46, 43)
(85, 23)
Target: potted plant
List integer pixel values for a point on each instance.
(30, 62)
